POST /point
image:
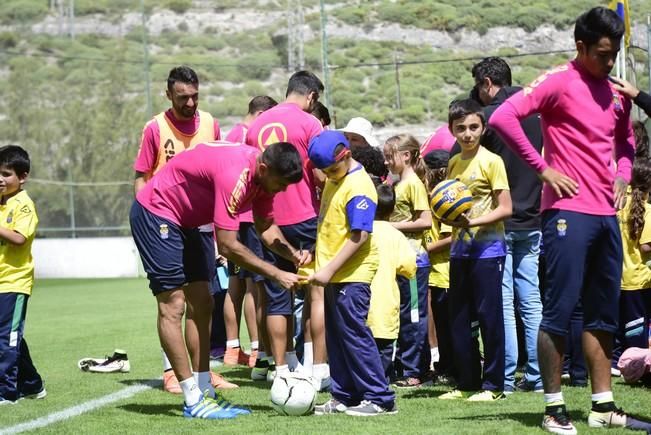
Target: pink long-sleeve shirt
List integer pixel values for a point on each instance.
(587, 135)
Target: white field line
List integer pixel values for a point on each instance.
(79, 409)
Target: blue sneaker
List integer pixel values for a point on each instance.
(228, 406)
(207, 408)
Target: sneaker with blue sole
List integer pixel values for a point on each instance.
(235, 409)
(207, 408)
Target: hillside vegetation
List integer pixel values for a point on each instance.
(78, 105)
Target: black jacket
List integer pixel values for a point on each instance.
(524, 183)
(643, 101)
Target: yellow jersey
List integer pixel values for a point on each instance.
(411, 200)
(636, 275)
(439, 274)
(396, 258)
(16, 262)
(347, 205)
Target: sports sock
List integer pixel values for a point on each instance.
(282, 370)
(292, 360)
(261, 355)
(233, 343)
(603, 402)
(321, 371)
(191, 392)
(167, 365)
(554, 403)
(255, 345)
(308, 356)
(203, 380)
(434, 352)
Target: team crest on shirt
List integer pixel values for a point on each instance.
(10, 218)
(272, 133)
(617, 102)
(561, 227)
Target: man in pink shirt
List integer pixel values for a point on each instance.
(441, 139)
(169, 133)
(245, 287)
(295, 210)
(585, 124)
(207, 185)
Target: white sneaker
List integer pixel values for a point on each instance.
(118, 362)
(39, 395)
(558, 423)
(271, 373)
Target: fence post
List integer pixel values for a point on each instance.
(396, 65)
(71, 198)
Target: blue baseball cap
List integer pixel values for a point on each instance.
(322, 148)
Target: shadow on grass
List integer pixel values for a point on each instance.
(242, 377)
(169, 409)
(154, 383)
(423, 393)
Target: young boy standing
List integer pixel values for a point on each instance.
(346, 261)
(18, 220)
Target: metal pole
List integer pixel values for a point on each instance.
(145, 60)
(324, 60)
(398, 99)
(71, 198)
(71, 19)
(648, 47)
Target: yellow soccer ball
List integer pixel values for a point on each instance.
(450, 199)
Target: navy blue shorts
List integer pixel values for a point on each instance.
(303, 234)
(249, 237)
(172, 256)
(584, 263)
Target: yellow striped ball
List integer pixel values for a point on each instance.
(450, 199)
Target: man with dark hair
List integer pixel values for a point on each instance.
(295, 211)
(169, 133)
(245, 287)
(522, 230)
(587, 133)
(209, 184)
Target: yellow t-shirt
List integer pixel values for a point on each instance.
(347, 204)
(16, 262)
(411, 199)
(396, 258)
(483, 174)
(439, 275)
(636, 275)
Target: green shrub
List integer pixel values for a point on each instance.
(22, 11)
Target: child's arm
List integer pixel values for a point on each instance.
(503, 210)
(422, 222)
(11, 236)
(439, 245)
(323, 276)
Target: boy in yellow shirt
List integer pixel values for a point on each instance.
(18, 220)
(346, 261)
(397, 257)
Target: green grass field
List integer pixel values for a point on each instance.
(71, 319)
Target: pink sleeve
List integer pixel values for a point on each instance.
(226, 187)
(624, 143)
(539, 97)
(263, 206)
(218, 133)
(148, 152)
(317, 128)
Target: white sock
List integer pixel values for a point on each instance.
(191, 392)
(434, 352)
(167, 365)
(233, 343)
(282, 370)
(255, 345)
(291, 359)
(321, 371)
(308, 356)
(606, 396)
(553, 398)
(203, 380)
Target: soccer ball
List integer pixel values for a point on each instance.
(293, 394)
(450, 199)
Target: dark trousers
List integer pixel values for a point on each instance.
(18, 376)
(574, 361)
(475, 303)
(355, 366)
(413, 342)
(634, 314)
(445, 366)
(385, 349)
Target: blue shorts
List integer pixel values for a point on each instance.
(172, 256)
(249, 237)
(303, 234)
(584, 263)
